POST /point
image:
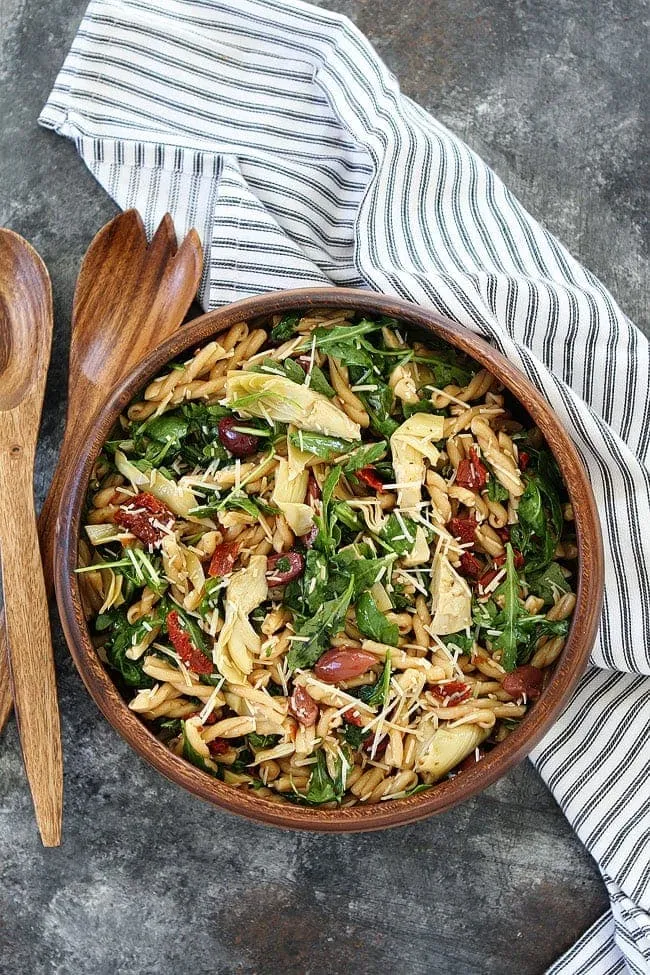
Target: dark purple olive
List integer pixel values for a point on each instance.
(239, 444)
(283, 567)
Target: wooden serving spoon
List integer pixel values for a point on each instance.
(130, 296)
(25, 341)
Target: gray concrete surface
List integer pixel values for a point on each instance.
(149, 879)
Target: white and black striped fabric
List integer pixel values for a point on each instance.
(274, 128)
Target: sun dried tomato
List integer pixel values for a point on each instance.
(470, 565)
(524, 680)
(190, 655)
(524, 460)
(369, 477)
(462, 528)
(223, 559)
(518, 559)
(145, 517)
(503, 533)
(353, 717)
(472, 472)
(487, 578)
(218, 746)
(454, 692)
(313, 490)
(382, 745)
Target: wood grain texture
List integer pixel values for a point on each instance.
(130, 296)
(25, 341)
(446, 794)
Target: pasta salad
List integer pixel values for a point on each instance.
(328, 561)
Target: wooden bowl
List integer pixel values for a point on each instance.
(448, 793)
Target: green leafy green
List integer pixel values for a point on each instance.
(512, 609)
(372, 623)
(376, 695)
(395, 537)
(547, 583)
(496, 490)
(321, 786)
(286, 327)
(318, 382)
(364, 456)
(354, 735)
(327, 620)
(322, 446)
(305, 593)
(191, 755)
(262, 741)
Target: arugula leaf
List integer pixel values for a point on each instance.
(508, 617)
(354, 735)
(364, 572)
(374, 624)
(262, 741)
(210, 598)
(286, 327)
(321, 445)
(328, 537)
(531, 510)
(376, 695)
(168, 728)
(321, 787)
(545, 584)
(422, 406)
(191, 755)
(364, 456)
(344, 513)
(326, 621)
(394, 537)
(342, 342)
(447, 366)
(318, 382)
(305, 593)
(379, 405)
(496, 490)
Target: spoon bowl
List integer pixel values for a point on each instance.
(23, 319)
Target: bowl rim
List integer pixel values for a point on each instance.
(444, 795)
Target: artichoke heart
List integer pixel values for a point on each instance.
(442, 751)
(420, 553)
(452, 598)
(289, 495)
(411, 443)
(238, 641)
(178, 499)
(276, 398)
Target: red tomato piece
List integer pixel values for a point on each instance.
(524, 680)
(369, 477)
(145, 517)
(190, 655)
(454, 692)
(472, 472)
(218, 746)
(463, 529)
(487, 578)
(223, 559)
(518, 558)
(353, 717)
(470, 565)
(524, 460)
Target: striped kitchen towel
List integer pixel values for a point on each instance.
(274, 128)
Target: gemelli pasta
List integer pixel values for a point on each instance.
(328, 562)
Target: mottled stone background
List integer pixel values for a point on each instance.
(150, 880)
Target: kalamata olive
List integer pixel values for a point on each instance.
(303, 707)
(524, 680)
(343, 663)
(313, 490)
(239, 444)
(311, 536)
(283, 567)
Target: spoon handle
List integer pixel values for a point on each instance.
(31, 661)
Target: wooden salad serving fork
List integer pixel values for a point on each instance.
(130, 296)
